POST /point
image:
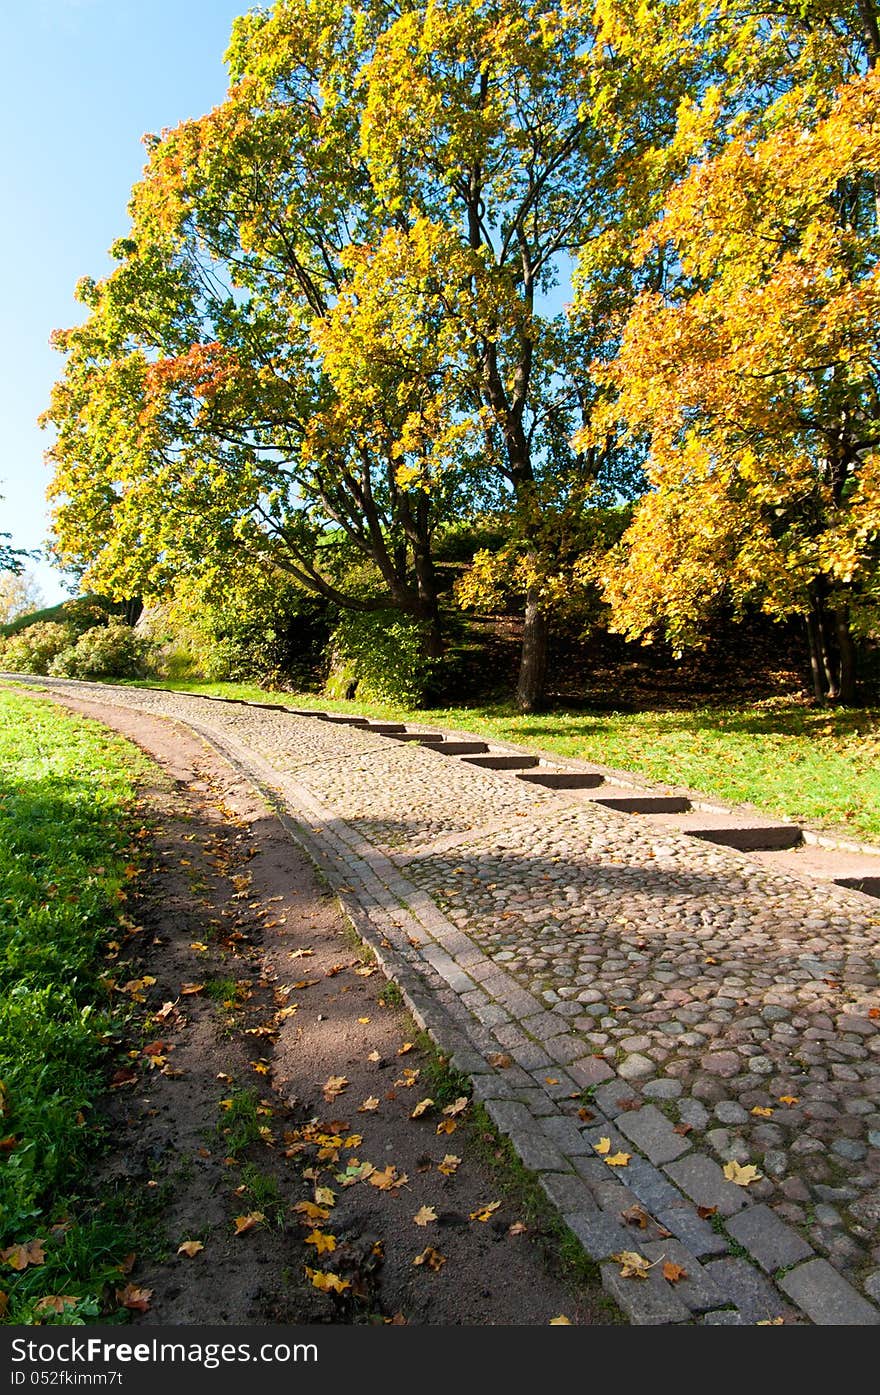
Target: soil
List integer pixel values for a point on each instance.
(288, 1000)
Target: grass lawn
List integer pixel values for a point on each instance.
(66, 793)
(788, 759)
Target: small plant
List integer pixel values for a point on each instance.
(35, 648)
(262, 1193)
(240, 1122)
(382, 655)
(106, 651)
(390, 995)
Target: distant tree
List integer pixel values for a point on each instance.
(19, 595)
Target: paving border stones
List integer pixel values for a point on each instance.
(637, 1011)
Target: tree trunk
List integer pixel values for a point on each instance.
(533, 660)
(832, 653)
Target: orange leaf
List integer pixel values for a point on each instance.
(431, 1258)
(134, 1298)
(322, 1241)
(246, 1223)
(447, 1126)
(326, 1282)
(484, 1212)
(56, 1303)
(18, 1257)
(673, 1272)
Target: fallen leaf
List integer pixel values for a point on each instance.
(311, 1210)
(632, 1265)
(874, 1012)
(370, 1103)
(762, 1113)
(421, 1108)
(742, 1176)
(789, 1099)
(134, 1298)
(618, 1159)
(518, 1228)
(387, 1179)
(334, 1086)
(364, 1020)
(325, 1196)
(629, 1104)
(199, 946)
(770, 1322)
(636, 1215)
(483, 1213)
(8, 1144)
(603, 1146)
(425, 1215)
(449, 1165)
(683, 1129)
(408, 1079)
(374, 1056)
(19, 1257)
(457, 1107)
(246, 1223)
(673, 1272)
(323, 1242)
(705, 1212)
(56, 1303)
(500, 1060)
(586, 1115)
(190, 1248)
(326, 1282)
(550, 1080)
(431, 1258)
(405, 1048)
(560, 1321)
(447, 1126)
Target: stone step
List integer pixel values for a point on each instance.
(341, 719)
(741, 831)
(564, 779)
(501, 762)
(308, 712)
(633, 801)
(456, 748)
(858, 871)
(269, 706)
(385, 728)
(427, 738)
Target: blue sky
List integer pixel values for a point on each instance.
(82, 81)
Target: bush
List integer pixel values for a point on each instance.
(107, 651)
(33, 649)
(381, 653)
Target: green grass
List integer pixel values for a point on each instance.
(66, 791)
(785, 757)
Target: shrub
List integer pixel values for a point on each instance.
(381, 653)
(32, 650)
(107, 651)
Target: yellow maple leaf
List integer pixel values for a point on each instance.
(449, 1165)
(425, 1215)
(369, 1104)
(632, 1264)
(603, 1146)
(326, 1282)
(761, 1112)
(322, 1241)
(446, 1126)
(789, 1099)
(190, 1248)
(742, 1176)
(311, 1211)
(618, 1159)
(420, 1108)
(560, 1321)
(334, 1086)
(387, 1179)
(325, 1196)
(484, 1212)
(405, 1048)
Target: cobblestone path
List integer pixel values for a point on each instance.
(600, 980)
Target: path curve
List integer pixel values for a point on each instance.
(610, 990)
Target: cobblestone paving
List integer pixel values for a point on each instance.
(703, 1008)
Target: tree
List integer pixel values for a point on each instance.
(195, 422)
(753, 372)
(19, 595)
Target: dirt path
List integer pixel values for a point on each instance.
(274, 1077)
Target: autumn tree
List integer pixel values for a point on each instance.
(195, 421)
(752, 371)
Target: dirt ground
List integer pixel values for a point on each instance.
(272, 1079)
